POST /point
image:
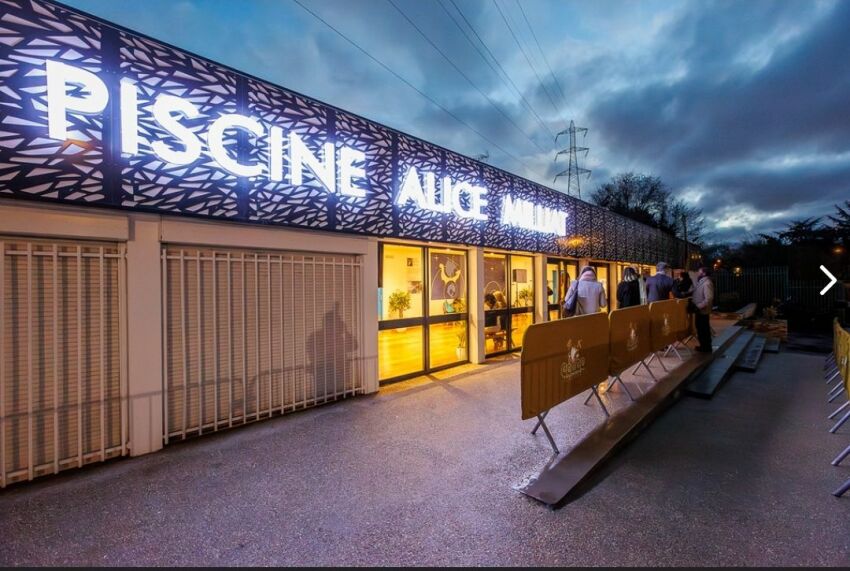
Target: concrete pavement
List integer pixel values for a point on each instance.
(424, 474)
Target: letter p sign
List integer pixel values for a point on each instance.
(90, 100)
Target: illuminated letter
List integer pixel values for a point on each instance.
(511, 213)
(347, 172)
(479, 203)
(162, 110)
(91, 101)
(411, 189)
(215, 140)
(457, 206)
(275, 154)
(299, 155)
(129, 117)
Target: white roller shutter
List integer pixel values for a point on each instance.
(251, 334)
(62, 377)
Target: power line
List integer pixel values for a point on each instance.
(531, 65)
(410, 85)
(542, 53)
(466, 77)
(503, 76)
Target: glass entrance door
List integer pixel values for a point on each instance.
(508, 300)
(602, 275)
(422, 294)
(559, 275)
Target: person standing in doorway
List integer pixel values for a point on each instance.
(586, 293)
(628, 291)
(703, 301)
(659, 286)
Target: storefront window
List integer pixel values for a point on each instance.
(400, 351)
(447, 343)
(422, 292)
(447, 283)
(602, 277)
(402, 282)
(559, 275)
(447, 310)
(495, 303)
(522, 281)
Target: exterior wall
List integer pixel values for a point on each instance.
(144, 235)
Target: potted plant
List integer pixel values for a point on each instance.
(460, 330)
(524, 296)
(399, 302)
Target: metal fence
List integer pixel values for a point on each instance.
(766, 285)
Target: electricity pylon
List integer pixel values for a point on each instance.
(573, 172)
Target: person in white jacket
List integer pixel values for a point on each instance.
(703, 299)
(590, 293)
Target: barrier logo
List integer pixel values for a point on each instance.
(574, 365)
(632, 341)
(665, 325)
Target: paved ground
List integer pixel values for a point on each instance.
(425, 475)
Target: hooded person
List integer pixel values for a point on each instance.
(586, 294)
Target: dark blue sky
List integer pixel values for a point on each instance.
(743, 108)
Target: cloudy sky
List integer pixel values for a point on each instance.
(743, 108)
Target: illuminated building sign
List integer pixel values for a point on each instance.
(95, 114)
(74, 90)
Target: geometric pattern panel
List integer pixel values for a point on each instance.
(147, 182)
(89, 168)
(31, 164)
(374, 215)
(280, 202)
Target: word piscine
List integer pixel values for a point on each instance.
(340, 171)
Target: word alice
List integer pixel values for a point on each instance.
(340, 170)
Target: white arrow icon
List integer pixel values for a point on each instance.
(832, 280)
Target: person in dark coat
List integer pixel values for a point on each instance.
(628, 291)
(684, 286)
(659, 286)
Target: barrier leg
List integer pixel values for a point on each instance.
(829, 361)
(654, 356)
(661, 362)
(830, 376)
(542, 422)
(619, 380)
(842, 456)
(602, 404)
(840, 423)
(540, 418)
(844, 487)
(676, 351)
(839, 409)
(589, 396)
(688, 339)
(635, 370)
(651, 374)
(837, 393)
(833, 390)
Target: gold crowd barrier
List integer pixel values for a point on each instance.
(841, 354)
(561, 359)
